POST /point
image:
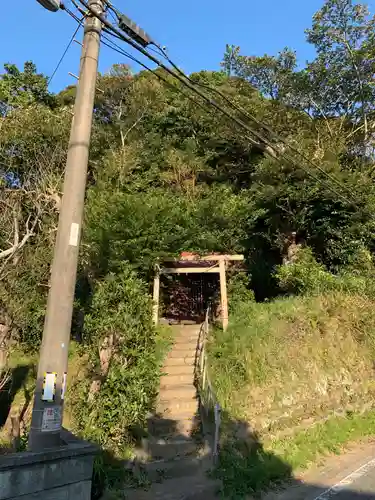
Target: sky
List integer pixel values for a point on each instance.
(194, 31)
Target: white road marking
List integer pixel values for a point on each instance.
(347, 481)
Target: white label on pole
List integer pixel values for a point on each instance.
(49, 386)
(74, 233)
(63, 386)
(51, 419)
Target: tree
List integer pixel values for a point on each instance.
(341, 77)
(22, 88)
(336, 88)
(271, 75)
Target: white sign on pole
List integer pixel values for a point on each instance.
(51, 419)
(49, 386)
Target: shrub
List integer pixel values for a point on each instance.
(239, 291)
(307, 276)
(126, 372)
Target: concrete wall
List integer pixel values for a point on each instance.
(62, 473)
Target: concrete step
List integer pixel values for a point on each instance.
(179, 361)
(161, 470)
(170, 448)
(169, 427)
(181, 353)
(190, 487)
(185, 345)
(191, 344)
(176, 408)
(175, 369)
(179, 379)
(178, 392)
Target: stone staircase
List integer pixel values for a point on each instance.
(177, 457)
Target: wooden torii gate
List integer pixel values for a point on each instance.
(191, 263)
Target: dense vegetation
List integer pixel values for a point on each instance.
(166, 175)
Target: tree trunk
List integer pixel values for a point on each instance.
(105, 356)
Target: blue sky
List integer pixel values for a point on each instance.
(195, 31)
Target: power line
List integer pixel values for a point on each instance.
(112, 45)
(64, 53)
(252, 118)
(118, 49)
(138, 47)
(184, 81)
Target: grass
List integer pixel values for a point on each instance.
(164, 342)
(282, 371)
(251, 469)
(295, 359)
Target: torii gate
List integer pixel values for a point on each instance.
(191, 263)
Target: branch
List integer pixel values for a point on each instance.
(19, 244)
(123, 136)
(361, 89)
(324, 116)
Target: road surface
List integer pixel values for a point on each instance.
(347, 477)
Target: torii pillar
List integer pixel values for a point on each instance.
(223, 294)
(194, 264)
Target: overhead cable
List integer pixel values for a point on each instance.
(252, 118)
(64, 54)
(271, 149)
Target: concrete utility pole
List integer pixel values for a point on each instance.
(51, 381)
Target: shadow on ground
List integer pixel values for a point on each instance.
(244, 470)
(17, 381)
(178, 465)
(11, 419)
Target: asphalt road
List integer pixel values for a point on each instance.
(350, 476)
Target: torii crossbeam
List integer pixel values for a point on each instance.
(191, 263)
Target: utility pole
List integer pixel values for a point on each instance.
(52, 370)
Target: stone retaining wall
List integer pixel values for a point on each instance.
(62, 473)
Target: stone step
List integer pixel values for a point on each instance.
(161, 470)
(178, 392)
(170, 427)
(179, 361)
(181, 353)
(190, 487)
(173, 380)
(175, 369)
(194, 326)
(186, 337)
(177, 428)
(176, 408)
(185, 346)
(170, 448)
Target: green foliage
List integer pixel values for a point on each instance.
(166, 176)
(239, 291)
(270, 75)
(140, 227)
(120, 308)
(247, 468)
(279, 371)
(336, 87)
(307, 276)
(343, 36)
(252, 468)
(22, 88)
